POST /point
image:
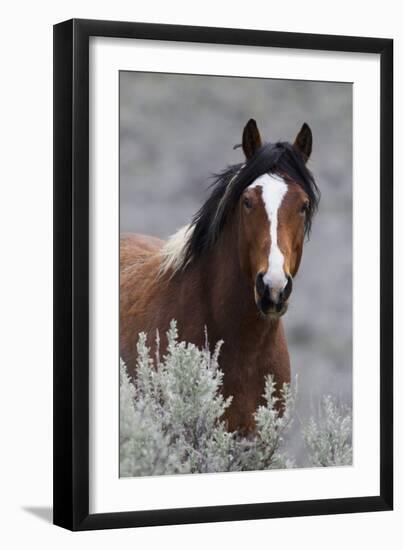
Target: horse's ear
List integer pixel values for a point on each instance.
(303, 142)
(251, 140)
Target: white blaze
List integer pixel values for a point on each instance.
(273, 191)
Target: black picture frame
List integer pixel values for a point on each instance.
(71, 274)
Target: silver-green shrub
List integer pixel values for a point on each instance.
(329, 438)
(266, 450)
(171, 419)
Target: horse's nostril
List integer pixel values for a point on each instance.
(285, 294)
(260, 285)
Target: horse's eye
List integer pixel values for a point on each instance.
(304, 207)
(247, 203)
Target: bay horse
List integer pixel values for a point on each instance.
(229, 271)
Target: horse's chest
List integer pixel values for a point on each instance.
(245, 368)
(249, 361)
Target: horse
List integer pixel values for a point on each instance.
(230, 271)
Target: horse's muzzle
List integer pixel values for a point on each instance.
(270, 301)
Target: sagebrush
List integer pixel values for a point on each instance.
(171, 419)
(328, 439)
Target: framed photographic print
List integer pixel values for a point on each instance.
(223, 317)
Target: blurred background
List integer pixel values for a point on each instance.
(177, 130)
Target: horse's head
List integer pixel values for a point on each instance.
(273, 196)
(275, 211)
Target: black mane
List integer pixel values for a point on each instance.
(228, 186)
